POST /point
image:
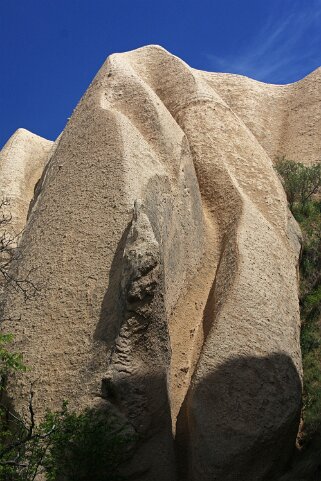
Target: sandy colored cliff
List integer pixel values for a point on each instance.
(285, 119)
(166, 260)
(22, 161)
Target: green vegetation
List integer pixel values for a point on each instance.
(9, 361)
(91, 445)
(302, 185)
(67, 446)
(300, 182)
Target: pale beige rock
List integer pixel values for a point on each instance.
(167, 257)
(22, 161)
(285, 119)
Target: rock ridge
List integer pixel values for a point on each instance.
(167, 259)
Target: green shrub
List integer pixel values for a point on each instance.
(300, 182)
(91, 445)
(66, 446)
(9, 361)
(302, 185)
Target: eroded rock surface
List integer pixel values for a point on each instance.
(166, 258)
(22, 161)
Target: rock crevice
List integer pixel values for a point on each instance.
(161, 237)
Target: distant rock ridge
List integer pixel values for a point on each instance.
(166, 258)
(285, 119)
(22, 161)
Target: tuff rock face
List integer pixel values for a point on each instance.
(166, 261)
(22, 162)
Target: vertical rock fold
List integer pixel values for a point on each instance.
(165, 255)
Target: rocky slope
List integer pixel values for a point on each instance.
(166, 261)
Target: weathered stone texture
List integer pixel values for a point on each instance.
(166, 259)
(22, 161)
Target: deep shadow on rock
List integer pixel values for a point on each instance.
(241, 422)
(143, 401)
(112, 308)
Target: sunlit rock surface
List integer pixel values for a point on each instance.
(166, 261)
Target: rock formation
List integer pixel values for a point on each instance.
(166, 264)
(22, 162)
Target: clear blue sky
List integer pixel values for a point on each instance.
(51, 49)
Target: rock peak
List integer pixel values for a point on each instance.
(166, 258)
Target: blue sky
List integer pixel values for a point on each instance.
(51, 49)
